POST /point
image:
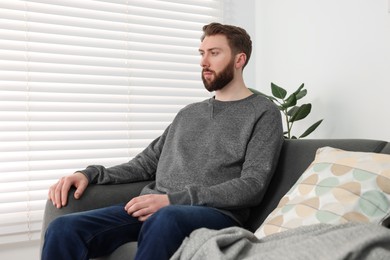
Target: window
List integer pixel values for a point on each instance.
(87, 82)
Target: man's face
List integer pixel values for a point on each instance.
(217, 62)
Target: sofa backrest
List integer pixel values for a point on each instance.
(386, 149)
(295, 157)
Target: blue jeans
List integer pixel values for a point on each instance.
(98, 232)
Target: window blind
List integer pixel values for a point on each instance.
(87, 82)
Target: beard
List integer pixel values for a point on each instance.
(221, 79)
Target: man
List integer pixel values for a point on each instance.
(210, 166)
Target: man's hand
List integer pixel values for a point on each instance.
(58, 193)
(142, 207)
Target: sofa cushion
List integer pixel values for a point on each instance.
(339, 186)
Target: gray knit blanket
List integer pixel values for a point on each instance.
(319, 242)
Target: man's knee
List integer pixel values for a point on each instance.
(169, 215)
(165, 221)
(62, 227)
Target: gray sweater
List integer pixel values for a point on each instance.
(215, 154)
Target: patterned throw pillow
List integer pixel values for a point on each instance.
(338, 186)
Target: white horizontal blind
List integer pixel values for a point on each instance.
(87, 82)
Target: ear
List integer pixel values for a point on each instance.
(240, 60)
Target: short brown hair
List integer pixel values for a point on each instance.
(238, 39)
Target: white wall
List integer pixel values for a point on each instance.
(340, 49)
(242, 13)
(19, 251)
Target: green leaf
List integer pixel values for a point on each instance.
(289, 107)
(277, 91)
(311, 129)
(255, 91)
(290, 101)
(301, 94)
(299, 89)
(301, 112)
(292, 111)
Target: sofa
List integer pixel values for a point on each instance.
(295, 157)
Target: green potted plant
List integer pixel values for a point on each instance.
(291, 111)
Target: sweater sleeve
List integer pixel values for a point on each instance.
(142, 167)
(260, 162)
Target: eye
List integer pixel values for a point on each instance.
(214, 53)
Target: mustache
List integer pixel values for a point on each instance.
(207, 70)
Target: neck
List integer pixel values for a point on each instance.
(235, 90)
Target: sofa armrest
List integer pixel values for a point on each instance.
(94, 197)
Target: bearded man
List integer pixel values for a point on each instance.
(212, 163)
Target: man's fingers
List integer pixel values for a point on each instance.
(52, 193)
(145, 217)
(140, 206)
(134, 206)
(147, 210)
(146, 205)
(66, 184)
(80, 190)
(57, 193)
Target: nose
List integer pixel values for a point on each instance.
(204, 63)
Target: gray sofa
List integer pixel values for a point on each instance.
(295, 157)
